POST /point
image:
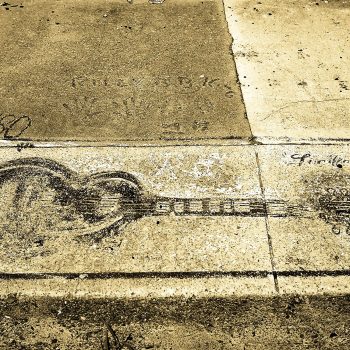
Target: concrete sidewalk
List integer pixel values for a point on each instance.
(175, 175)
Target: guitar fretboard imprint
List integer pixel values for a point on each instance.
(40, 196)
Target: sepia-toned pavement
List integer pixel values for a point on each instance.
(174, 175)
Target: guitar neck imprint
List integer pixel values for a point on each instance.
(40, 195)
(226, 207)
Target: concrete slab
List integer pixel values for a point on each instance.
(139, 288)
(292, 59)
(101, 210)
(223, 323)
(315, 285)
(163, 245)
(117, 71)
(313, 181)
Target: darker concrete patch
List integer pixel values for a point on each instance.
(114, 70)
(294, 322)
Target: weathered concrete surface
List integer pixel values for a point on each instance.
(118, 71)
(277, 211)
(214, 323)
(292, 58)
(288, 275)
(43, 231)
(174, 247)
(318, 179)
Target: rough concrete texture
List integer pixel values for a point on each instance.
(266, 224)
(41, 219)
(292, 58)
(172, 221)
(113, 70)
(317, 179)
(244, 323)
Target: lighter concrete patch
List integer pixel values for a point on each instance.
(292, 58)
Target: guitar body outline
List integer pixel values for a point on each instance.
(71, 189)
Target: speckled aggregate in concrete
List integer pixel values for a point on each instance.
(180, 217)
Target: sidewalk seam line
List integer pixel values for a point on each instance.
(267, 226)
